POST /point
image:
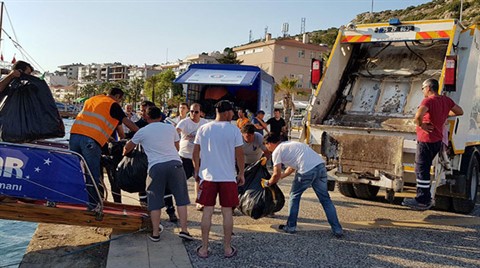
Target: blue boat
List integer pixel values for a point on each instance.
(47, 183)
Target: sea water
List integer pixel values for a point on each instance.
(16, 235)
(14, 239)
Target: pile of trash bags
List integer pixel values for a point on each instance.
(257, 201)
(28, 111)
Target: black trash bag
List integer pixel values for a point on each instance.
(28, 111)
(256, 201)
(131, 173)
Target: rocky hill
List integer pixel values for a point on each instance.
(436, 9)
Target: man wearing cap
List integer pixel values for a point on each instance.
(218, 143)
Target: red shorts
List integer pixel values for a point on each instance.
(227, 192)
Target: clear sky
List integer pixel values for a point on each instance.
(59, 32)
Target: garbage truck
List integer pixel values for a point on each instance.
(248, 87)
(360, 118)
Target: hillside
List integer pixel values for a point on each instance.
(436, 9)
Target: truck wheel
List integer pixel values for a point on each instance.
(466, 206)
(346, 189)
(365, 191)
(390, 195)
(443, 203)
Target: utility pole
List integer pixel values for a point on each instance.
(371, 10)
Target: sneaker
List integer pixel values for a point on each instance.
(286, 229)
(185, 236)
(415, 205)
(172, 217)
(338, 235)
(154, 238)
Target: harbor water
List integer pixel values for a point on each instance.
(16, 235)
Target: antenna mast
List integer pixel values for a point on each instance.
(285, 29)
(302, 28)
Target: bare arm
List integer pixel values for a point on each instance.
(196, 160)
(267, 153)
(177, 145)
(277, 174)
(128, 147)
(127, 122)
(240, 157)
(455, 111)
(121, 132)
(6, 81)
(422, 110)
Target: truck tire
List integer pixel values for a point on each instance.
(346, 189)
(365, 191)
(466, 206)
(443, 203)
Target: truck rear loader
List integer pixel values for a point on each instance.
(360, 117)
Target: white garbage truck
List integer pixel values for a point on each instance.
(360, 117)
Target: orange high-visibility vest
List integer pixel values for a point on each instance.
(94, 120)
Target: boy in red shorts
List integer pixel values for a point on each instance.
(218, 143)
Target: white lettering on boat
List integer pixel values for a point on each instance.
(11, 165)
(10, 186)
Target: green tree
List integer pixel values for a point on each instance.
(136, 86)
(229, 57)
(175, 101)
(89, 90)
(166, 86)
(288, 87)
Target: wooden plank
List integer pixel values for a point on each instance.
(72, 216)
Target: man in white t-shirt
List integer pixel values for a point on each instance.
(164, 168)
(182, 114)
(253, 147)
(218, 144)
(187, 128)
(311, 172)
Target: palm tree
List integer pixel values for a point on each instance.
(289, 88)
(136, 86)
(152, 84)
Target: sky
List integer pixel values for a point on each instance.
(61, 32)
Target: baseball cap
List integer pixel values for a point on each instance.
(223, 106)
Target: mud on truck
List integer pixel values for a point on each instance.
(361, 116)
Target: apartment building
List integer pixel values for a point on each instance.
(181, 66)
(283, 57)
(70, 70)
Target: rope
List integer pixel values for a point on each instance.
(18, 46)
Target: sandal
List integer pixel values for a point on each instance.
(200, 255)
(233, 253)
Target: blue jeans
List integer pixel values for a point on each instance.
(424, 156)
(92, 153)
(317, 179)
